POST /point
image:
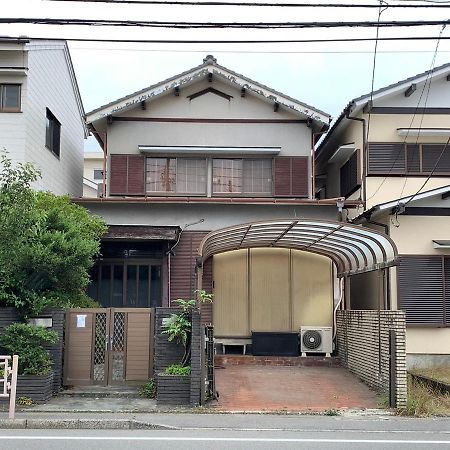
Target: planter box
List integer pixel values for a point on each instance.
(173, 390)
(38, 388)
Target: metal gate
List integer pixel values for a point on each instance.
(108, 346)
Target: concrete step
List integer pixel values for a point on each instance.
(290, 361)
(101, 391)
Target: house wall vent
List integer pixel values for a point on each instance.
(316, 340)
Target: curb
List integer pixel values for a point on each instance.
(81, 424)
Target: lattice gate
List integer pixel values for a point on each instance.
(108, 346)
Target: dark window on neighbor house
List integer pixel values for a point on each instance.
(424, 290)
(242, 176)
(349, 176)
(10, 97)
(98, 174)
(52, 133)
(408, 159)
(176, 175)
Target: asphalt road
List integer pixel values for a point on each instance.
(202, 439)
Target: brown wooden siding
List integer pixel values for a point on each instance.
(206, 310)
(183, 280)
(291, 176)
(127, 174)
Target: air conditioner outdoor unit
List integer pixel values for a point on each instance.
(316, 340)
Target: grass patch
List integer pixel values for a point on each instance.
(439, 373)
(424, 401)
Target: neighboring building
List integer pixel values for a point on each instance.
(210, 149)
(93, 174)
(390, 150)
(41, 113)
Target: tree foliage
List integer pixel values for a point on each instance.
(47, 243)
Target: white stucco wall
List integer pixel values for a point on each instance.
(50, 86)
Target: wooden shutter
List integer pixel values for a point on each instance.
(126, 175)
(136, 173)
(421, 289)
(291, 176)
(431, 155)
(386, 158)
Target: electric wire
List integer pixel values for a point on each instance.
(432, 172)
(255, 4)
(223, 25)
(226, 41)
(380, 11)
(429, 79)
(399, 152)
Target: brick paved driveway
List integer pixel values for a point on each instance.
(275, 388)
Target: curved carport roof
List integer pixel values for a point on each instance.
(353, 249)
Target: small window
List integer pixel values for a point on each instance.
(98, 174)
(52, 133)
(10, 97)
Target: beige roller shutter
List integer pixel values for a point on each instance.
(230, 306)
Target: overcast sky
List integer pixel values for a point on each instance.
(326, 76)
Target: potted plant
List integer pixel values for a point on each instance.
(174, 384)
(35, 374)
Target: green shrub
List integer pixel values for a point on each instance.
(148, 390)
(27, 341)
(178, 369)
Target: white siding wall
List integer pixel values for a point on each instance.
(50, 85)
(12, 125)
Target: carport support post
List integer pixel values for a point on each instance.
(199, 279)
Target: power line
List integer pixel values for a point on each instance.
(432, 172)
(210, 25)
(401, 149)
(210, 41)
(256, 4)
(380, 11)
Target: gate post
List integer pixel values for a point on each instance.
(392, 369)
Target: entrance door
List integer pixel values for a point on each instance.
(108, 346)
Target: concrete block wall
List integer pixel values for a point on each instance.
(167, 353)
(11, 315)
(363, 346)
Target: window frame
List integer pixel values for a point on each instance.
(244, 193)
(404, 171)
(101, 174)
(209, 172)
(50, 122)
(10, 110)
(176, 193)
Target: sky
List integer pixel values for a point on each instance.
(326, 76)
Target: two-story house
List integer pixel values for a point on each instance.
(93, 174)
(41, 113)
(210, 184)
(390, 150)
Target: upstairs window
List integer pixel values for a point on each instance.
(9, 97)
(242, 176)
(52, 133)
(98, 174)
(408, 159)
(176, 175)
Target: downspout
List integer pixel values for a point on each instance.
(104, 147)
(364, 155)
